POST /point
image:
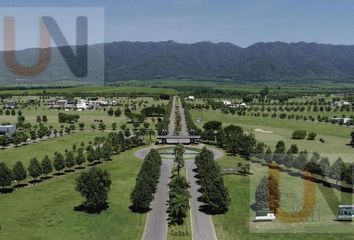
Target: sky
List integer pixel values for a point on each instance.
(241, 22)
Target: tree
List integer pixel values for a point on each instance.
(262, 194)
(294, 149)
(80, 158)
(19, 172)
(81, 126)
(107, 150)
(110, 111)
(34, 168)
(94, 186)
(267, 194)
(299, 134)
(69, 160)
(311, 136)
(324, 167)
(91, 156)
(268, 156)
(179, 151)
(279, 152)
(59, 162)
(336, 170)
(5, 176)
(46, 165)
(117, 112)
(44, 118)
(274, 195)
(212, 125)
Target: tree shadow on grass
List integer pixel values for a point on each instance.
(139, 210)
(210, 211)
(83, 207)
(59, 174)
(46, 177)
(35, 181)
(6, 190)
(20, 185)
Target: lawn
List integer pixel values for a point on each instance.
(336, 137)
(236, 223)
(39, 150)
(46, 211)
(87, 117)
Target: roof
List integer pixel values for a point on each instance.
(178, 137)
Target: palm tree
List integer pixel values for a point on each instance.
(178, 207)
(179, 151)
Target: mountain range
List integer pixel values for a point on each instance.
(274, 61)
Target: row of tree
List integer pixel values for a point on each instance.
(316, 165)
(192, 128)
(102, 148)
(146, 182)
(162, 126)
(178, 203)
(68, 118)
(215, 195)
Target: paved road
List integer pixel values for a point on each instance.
(171, 126)
(156, 223)
(184, 130)
(202, 224)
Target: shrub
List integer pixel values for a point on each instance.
(299, 134)
(311, 136)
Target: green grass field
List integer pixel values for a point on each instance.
(39, 150)
(336, 137)
(46, 211)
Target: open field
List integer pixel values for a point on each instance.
(46, 211)
(336, 137)
(40, 149)
(88, 117)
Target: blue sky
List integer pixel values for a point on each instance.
(242, 22)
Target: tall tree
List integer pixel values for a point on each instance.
(19, 172)
(34, 168)
(69, 160)
(80, 158)
(5, 176)
(59, 162)
(46, 165)
(324, 167)
(179, 151)
(94, 185)
(336, 170)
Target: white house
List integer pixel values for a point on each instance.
(191, 98)
(343, 120)
(226, 102)
(81, 104)
(340, 103)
